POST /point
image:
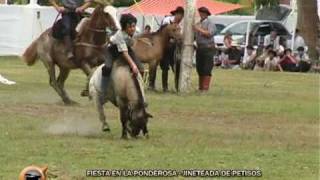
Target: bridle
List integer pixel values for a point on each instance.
(95, 30)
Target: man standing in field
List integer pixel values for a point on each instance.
(168, 59)
(205, 48)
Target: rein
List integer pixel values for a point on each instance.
(95, 30)
(55, 20)
(98, 30)
(90, 45)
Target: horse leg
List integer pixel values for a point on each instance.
(88, 71)
(102, 117)
(152, 75)
(63, 75)
(53, 81)
(124, 119)
(145, 131)
(177, 74)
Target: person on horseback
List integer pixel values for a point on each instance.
(120, 46)
(71, 11)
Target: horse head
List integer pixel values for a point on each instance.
(102, 19)
(138, 120)
(173, 31)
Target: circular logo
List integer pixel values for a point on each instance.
(33, 173)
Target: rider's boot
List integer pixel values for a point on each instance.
(69, 47)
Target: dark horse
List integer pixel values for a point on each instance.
(88, 50)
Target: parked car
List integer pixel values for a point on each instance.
(219, 28)
(258, 29)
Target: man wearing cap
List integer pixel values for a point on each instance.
(205, 48)
(175, 17)
(168, 59)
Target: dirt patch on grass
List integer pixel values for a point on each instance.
(35, 110)
(74, 125)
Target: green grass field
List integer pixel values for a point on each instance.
(248, 120)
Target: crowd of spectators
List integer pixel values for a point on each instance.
(274, 55)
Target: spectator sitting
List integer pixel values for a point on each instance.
(271, 62)
(272, 39)
(303, 60)
(228, 40)
(261, 59)
(234, 57)
(288, 62)
(281, 48)
(249, 58)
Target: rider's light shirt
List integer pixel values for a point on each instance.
(122, 40)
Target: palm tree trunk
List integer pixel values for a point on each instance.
(187, 49)
(308, 23)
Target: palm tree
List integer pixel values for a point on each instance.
(308, 21)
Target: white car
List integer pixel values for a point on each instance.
(257, 28)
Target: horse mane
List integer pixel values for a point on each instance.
(95, 14)
(153, 33)
(82, 25)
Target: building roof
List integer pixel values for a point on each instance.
(163, 7)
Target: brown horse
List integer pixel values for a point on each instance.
(150, 48)
(88, 51)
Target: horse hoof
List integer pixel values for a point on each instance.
(71, 103)
(150, 88)
(84, 93)
(124, 137)
(146, 136)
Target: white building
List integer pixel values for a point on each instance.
(20, 24)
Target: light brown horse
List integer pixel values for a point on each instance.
(150, 48)
(126, 92)
(88, 51)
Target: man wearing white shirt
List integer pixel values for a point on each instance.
(298, 41)
(303, 60)
(168, 59)
(272, 39)
(249, 59)
(175, 17)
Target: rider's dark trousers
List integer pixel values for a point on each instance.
(70, 21)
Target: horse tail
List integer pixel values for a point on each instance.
(30, 54)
